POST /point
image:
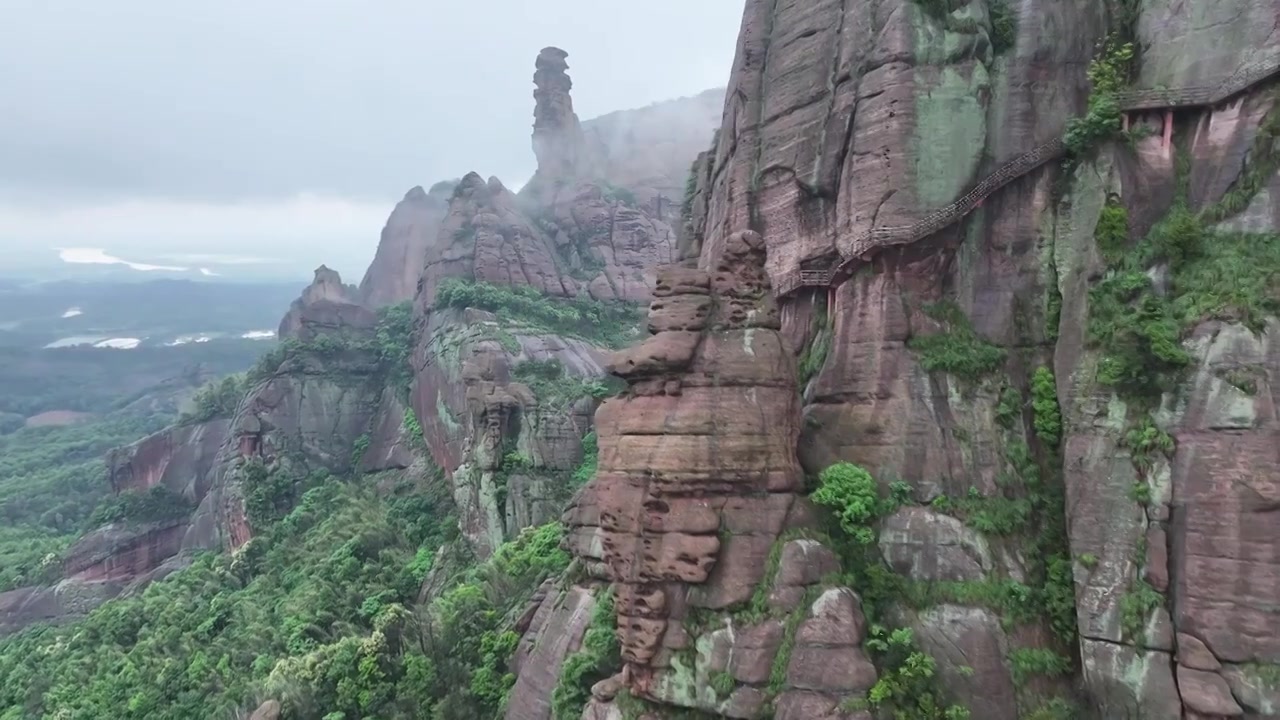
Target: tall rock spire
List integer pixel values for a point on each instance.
(564, 155)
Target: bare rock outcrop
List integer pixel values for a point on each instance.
(841, 118)
(393, 275)
(487, 237)
(327, 307)
(558, 141)
(506, 449)
(698, 483)
(178, 458)
(845, 118)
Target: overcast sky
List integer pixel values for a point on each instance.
(287, 129)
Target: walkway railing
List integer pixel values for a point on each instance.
(1246, 76)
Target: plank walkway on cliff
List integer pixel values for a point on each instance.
(1244, 78)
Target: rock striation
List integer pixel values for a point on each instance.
(845, 118)
(327, 307)
(558, 141)
(698, 488)
(393, 275)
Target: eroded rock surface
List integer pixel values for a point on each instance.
(327, 307)
(698, 484)
(393, 275)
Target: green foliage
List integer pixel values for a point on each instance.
(217, 399)
(554, 389)
(51, 480)
(599, 658)
(1145, 440)
(1244, 379)
(905, 690)
(586, 470)
(722, 684)
(269, 494)
(1055, 709)
(412, 427)
(389, 348)
(132, 507)
(469, 644)
(1015, 602)
(1136, 607)
(313, 611)
(957, 350)
(1004, 28)
(1112, 231)
(611, 324)
(1009, 409)
(1108, 73)
(991, 515)
(1044, 403)
(1267, 674)
(782, 658)
(1140, 493)
(1057, 592)
(394, 337)
(815, 352)
(358, 449)
(1139, 335)
(690, 190)
(1053, 306)
(616, 194)
(1223, 275)
(850, 492)
(1029, 662)
(1088, 560)
(935, 8)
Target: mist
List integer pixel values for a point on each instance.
(168, 135)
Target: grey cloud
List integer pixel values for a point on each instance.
(244, 99)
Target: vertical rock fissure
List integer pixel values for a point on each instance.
(833, 85)
(753, 200)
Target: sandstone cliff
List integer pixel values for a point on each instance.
(393, 275)
(520, 296)
(718, 576)
(1018, 323)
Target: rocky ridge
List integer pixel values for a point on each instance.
(696, 513)
(476, 413)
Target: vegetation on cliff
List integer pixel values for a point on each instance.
(1158, 289)
(53, 486)
(1108, 74)
(609, 324)
(317, 610)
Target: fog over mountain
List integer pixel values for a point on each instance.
(166, 135)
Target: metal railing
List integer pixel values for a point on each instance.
(1242, 79)
(1246, 76)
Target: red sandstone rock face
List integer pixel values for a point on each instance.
(327, 307)
(558, 141)
(698, 479)
(402, 250)
(571, 233)
(473, 414)
(1208, 535)
(835, 122)
(486, 236)
(180, 459)
(105, 561)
